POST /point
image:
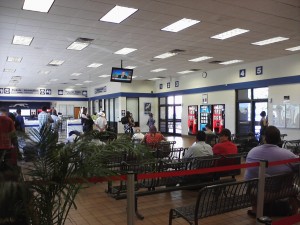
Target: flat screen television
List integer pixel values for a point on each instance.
(121, 75)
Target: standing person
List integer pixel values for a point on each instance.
(271, 152)
(200, 148)
(88, 124)
(7, 134)
(101, 122)
(263, 125)
(225, 146)
(55, 119)
(128, 126)
(83, 118)
(19, 125)
(150, 121)
(44, 118)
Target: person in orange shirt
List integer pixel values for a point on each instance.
(225, 146)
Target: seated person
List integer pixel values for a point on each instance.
(225, 146)
(138, 136)
(208, 129)
(200, 148)
(271, 152)
(153, 137)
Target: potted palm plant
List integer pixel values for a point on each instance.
(58, 171)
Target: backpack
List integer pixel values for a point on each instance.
(124, 120)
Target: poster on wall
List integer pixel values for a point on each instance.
(278, 115)
(204, 98)
(147, 108)
(292, 116)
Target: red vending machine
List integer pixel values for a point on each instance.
(192, 119)
(218, 117)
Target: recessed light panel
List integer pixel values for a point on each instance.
(76, 74)
(45, 72)
(130, 67)
(38, 5)
(270, 41)
(180, 25)
(155, 78)
(185, 72)
(56, 62)
(13, 59)
(94, 65)
(78, 46)
(118, 14)
(202, 58)
(78, 84)
(231, 62)
(125, 51)
(22, 40)
(87, 81)
(53, 79)
(104, 75)
(230, 33)
(297, 48)
(9, 70)
(165, 55)
(158, 70)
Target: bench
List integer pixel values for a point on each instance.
(222, 198)
(292, 145)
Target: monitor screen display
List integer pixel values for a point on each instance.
(121, 75)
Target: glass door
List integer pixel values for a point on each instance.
(244, 118)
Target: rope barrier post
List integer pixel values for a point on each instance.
(130, 198)
(261, 189)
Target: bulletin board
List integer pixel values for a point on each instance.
(286, 115)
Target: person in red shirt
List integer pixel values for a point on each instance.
(153, 137)
(225, 146)
(7, 132)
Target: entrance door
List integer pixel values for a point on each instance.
(76, 112)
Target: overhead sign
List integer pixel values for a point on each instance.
(72, 92)
(100, 90)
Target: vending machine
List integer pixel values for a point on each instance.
(205, 116)
(192, 119)
(213, 115)
(218, 118)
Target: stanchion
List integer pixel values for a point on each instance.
(261, 189)
(130, 198)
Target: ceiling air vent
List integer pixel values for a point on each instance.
(85, 40)
(194, 70)
(216, 62)
(73, 79)
(177, 51)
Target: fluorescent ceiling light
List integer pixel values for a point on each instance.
(22, 40)
(180, 25)
(158, 70)
(134, 77)
(9, 70)
(104, 75)
(95, 65)
(56, 62)
(78, 45)
(230, 33)
(270, 41)
(202, 58)
(14, 59)
(125, 51)
(87, 81)
(129, 67)
(293, 48)
(186, 71)
(118, 14)
(53, 79)
(45, 72)
(231, 62)
(38, 5)
(78, 84)
(155, 78)
(16, 78)
(76, 74)
(165, 55)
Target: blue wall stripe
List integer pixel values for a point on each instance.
(234, 86)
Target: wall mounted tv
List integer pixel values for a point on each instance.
(121, 75)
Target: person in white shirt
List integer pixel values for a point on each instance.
(138, 136)
(200, 148)
(101, 122)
